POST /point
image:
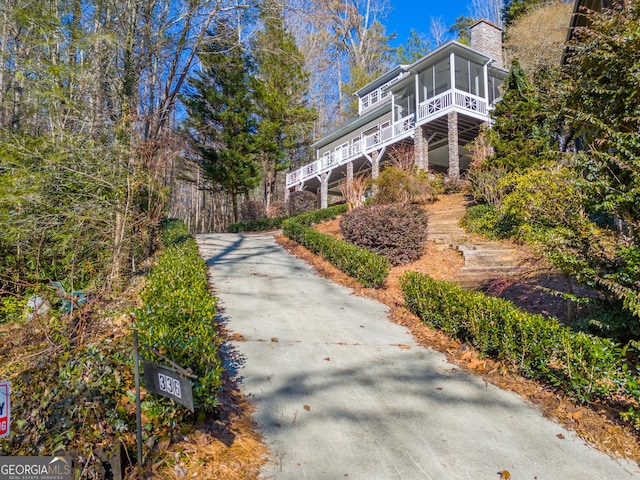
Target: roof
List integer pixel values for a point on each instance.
(381, 80)
(353, 124)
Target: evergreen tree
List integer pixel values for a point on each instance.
(461, 29)
(221, 122)
(281, 94)
(520, 135)
(413, 49)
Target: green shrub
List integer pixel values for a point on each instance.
(321, 215)
(369, 269)
(585, 366)
(259, 225)
(544, 197)
(487, 184)
(177, 319)
(487, 220)
(397, 231)
(307, 218)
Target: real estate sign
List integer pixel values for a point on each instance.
(5, 407)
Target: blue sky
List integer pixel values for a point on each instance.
(416, 14)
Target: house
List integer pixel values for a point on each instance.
(579, 19)
(435, 106)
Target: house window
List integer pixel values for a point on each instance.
(462, 73)
(469, 76)
(476, 79)
(442, 77)
(494, 89)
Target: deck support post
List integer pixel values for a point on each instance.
(324, 190)
(421, 149)
(454, 157)
(375, 169)
(349, 179)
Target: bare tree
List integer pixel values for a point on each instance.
(488, 9)
(438, 31)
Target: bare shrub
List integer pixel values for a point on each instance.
(354, 192)
(401, 156)
(277, 210)
(252, 210)
(397, 185)
(302, 201)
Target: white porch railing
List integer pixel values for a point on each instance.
(367, 143)
(406, 124)
(352, 150)
(434, 105)
(451, 98)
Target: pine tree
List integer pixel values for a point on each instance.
(413, 49)
(281, 94)
(520, 135)
(221, 121)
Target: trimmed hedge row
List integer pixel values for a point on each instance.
(369, 269)
(258, 225)
(584, 366)
(321, 215)
(177, 320)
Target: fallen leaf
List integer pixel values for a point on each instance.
(505, 475)
(274, 339)
(327, 358)
(307, 408)
(477, 365)
(179, 470)
(163, 444)
(560, 436)
(575, 415)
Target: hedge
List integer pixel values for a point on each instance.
(321, 215)
(258, 225)
(177, 320)
(369, 269)
(584, 366)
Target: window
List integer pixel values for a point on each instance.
(476, 77)
(469, 76)
(462, 73)
(442, 77)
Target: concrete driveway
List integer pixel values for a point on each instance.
(341, 392)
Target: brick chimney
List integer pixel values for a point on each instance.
(487, 38)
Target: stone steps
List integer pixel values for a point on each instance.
(484, 261)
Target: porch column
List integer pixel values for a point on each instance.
(454, 159)
(421, 149)
(349, 180)
(287, 194)
(375, 169)
(324, 190)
